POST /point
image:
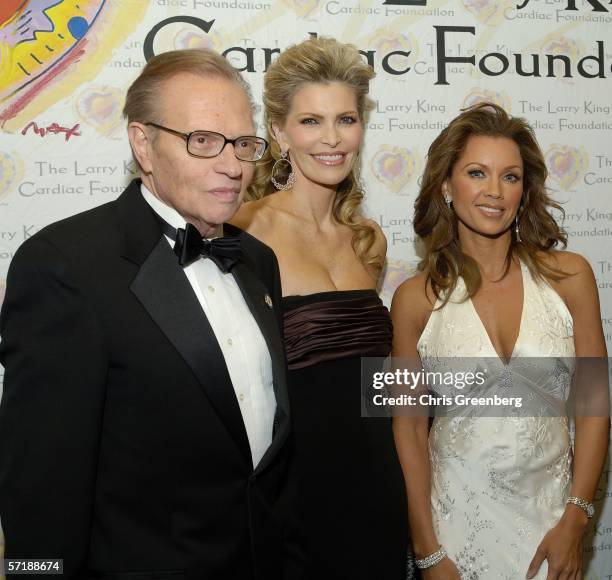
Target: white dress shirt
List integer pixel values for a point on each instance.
(242, 344)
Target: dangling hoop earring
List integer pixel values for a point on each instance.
(516, 229)
(290, 182)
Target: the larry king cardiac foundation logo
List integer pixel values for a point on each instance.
(566, 164)
(394, 167)
(11, 171)
(478, 95)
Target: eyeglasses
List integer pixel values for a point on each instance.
(210, 144)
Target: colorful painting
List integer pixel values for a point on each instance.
(39, 35)
(42, 41)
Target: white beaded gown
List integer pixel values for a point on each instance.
(500, 483)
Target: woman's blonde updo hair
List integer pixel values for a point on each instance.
(318, 60)
(436, 224)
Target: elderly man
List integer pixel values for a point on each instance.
(144, 416)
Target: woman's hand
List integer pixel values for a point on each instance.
(444, 570)
(562, 548)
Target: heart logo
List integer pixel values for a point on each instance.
(100, 107)
(485, 10)
(478, 95)
(566, 164)
(11, 170)
(303, 8)
(561, 46)
(383, 42)
(190, 37)
(396, 271)
(393, 166)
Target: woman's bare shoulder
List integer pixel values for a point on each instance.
(410, 311)
(569, 262)
(578, 286)
(415, 295)
(579, 291)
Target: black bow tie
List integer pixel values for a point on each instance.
(189, 246)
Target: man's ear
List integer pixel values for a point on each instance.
(279, 135)
(141, 145)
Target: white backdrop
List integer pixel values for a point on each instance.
(64, 69)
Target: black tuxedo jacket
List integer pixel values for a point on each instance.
(122, 446)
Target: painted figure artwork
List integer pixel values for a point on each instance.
(42, 41)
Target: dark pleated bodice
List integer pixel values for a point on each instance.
(338, 324)
(349, 496)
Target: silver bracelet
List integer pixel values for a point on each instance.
(432, 559)
(585, 505)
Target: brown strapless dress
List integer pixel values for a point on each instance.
(346, 481)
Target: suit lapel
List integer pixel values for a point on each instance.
(164, 291)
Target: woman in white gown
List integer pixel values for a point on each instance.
(497, 497)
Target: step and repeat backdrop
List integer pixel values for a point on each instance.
(65, 66)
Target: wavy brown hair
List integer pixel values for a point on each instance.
(323, 61)
(436, 224)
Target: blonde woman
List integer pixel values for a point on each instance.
(350, 498)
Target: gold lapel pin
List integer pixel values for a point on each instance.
(268, 300)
